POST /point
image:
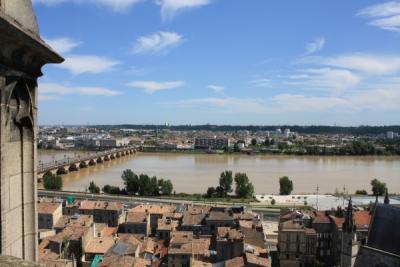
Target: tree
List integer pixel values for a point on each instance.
(144, 185)
(244, 188)
(210, 192)
(112, 190)
(52, 182)
(225, 182)
(166, 187)
(378, 188)
(361, 192)
(93, 188)
(153, 186)
(131, 181)
(253, 142)
(286, 186)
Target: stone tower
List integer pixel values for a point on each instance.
(350, 245)
(22, 55)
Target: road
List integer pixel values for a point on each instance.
(153, 200)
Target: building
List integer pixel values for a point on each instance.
(48, 214)
(296, 243)
(211, 142)
(180, 249)
(136, 223)
(229, 243)
(383, 246)
(111, 213)
(156, 212)
(217, 219)
(22, 55)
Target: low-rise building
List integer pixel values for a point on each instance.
(136, 223)
(229, 243)
(48, 214)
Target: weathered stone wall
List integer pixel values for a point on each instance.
(22, 55)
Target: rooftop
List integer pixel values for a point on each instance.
(153, 209)
(136, 217)
(99, 245)
(47, 207)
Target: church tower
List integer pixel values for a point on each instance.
(349, 244)
(22, 55)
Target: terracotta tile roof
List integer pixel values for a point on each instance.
(362, 219)
(257, 261)
(321, 217)
(201, 246)
(166, 224)
(117, 261)
(190, 219)
(196, 263)
(47, 207)
(71, 232)
(153, 209)
(181, 243)
(87, 205)
(228, 233)
(99, 245)
(141, 263)
(220, 216)
(235, 262)
(136, 217)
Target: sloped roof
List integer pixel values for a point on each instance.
(384, 231)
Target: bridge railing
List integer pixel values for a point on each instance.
(46, 166)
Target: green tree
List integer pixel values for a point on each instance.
(253, 142)
(52, 182)
(361, 192)
(244, 188)
(210, 192)
(93, 188)
(153, 186)
(166, 187)
(131, 181)
(378, 188)
(144, 185)
(285, 186)
(225, 182)
(109, 189)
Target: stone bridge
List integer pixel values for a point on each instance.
(66, 165)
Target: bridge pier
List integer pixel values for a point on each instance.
(74, 167)
(92, 162)
(112, 156)
(83, 164)
(106, 158)
(62, 170)
(100, 160)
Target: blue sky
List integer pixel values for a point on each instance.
(221, 62)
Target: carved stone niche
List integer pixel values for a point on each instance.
(22, 55)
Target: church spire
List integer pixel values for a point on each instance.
(348, 224)
(386, 201)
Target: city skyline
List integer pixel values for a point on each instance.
(207, 61)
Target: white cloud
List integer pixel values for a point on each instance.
(315, 46)
(53, 91)
(385, 16)
(262, 82)
(331, 80)
(157, 43)
(169, 8)
(216, 88)
(116, 5)
(366, 63)
(153, 86)
(62, 45)
(78, 64)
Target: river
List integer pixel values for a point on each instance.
(194, 173)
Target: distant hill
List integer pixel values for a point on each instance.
(359, 130)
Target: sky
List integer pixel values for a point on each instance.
(242, 62)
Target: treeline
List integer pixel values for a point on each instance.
(316, 129)
(142, 185)
(355, 148)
